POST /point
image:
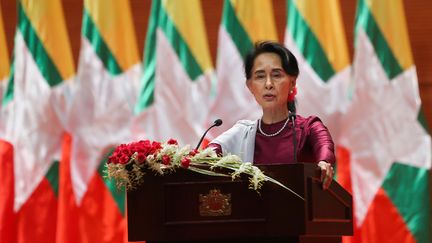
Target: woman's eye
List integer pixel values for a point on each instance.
(276, 75)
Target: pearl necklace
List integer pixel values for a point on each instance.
(273, 134)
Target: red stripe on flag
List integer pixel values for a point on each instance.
(36, 219)
(68, 213)
(383, 222)
(100, 216)
(7, 215)
(343, 156)
(97, 219)
(343, 168)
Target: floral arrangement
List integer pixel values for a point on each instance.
(129, 162)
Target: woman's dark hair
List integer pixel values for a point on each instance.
(288, 60)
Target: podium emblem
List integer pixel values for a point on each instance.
(215, 203)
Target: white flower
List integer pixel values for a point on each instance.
(257, 178)
(157, 168)
(151, 159)
(206, 153)
(242, 169)
(168, 149)
(184, 150)
(131, 175)
(228, 162)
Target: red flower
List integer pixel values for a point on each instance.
(113, 158)
(124, 159)
(143, 146)
(193, 152)
(156, 146)
(166, 160)
(292, 94)
(123, 153)
(185, 162)
(141, 158)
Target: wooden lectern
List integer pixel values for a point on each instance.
(190, 207)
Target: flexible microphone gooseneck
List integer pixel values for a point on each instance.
(216, 123)
(292, 118)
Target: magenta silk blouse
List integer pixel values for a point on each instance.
(314, 143)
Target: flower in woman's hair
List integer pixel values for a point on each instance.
(166, 160)
(292, 94)
(185, 162)
(172, 142)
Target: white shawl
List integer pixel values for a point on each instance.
(239, 140)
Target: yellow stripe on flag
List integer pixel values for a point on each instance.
(185, 14)
(390, 17)
(113, 19)
(47, 19)
(4, 58)
(257, 18)
(330, 33)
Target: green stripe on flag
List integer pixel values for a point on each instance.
(366, 20)
(146, 96)
(53, 177)
(34, 44)
(8, 96)
(235, 29)
(422, 120)
(118, 195)
(180, 46)
(92, 34)
(308, 43)
(408, 188)
(160, 19)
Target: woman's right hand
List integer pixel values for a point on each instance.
(327, 173)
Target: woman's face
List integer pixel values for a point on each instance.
(269, 83)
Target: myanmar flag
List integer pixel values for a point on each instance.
(177, 77)
(4, 61)
(7, 215)
(315, 35)
(244, 22)
(389, 146)
(30, 114)
(99, 117)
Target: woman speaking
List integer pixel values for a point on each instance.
(280, 136)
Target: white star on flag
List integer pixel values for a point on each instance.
(381, 125)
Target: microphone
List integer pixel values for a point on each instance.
(292, 118)
(216, 123)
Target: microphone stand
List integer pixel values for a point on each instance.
(216, 123)
(292, 117)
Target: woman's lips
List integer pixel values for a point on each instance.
(269, 97)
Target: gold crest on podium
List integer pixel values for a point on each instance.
(215, 203)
